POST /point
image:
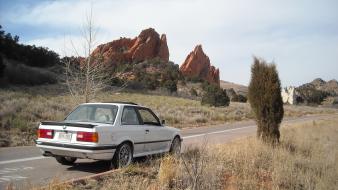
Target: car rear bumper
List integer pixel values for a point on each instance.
(77, 151)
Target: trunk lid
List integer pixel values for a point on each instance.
(65, 132)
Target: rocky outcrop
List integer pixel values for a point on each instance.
(163, 50)
(330, 87)
(197, 65)
(231, 93)
(147, 45)
(311, 93)
(289, 95)
(318, 82)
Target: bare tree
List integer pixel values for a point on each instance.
(86, 76)
(194, 162)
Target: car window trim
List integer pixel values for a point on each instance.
(152, 113)
(137, 113)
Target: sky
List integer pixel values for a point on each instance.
(300, 37)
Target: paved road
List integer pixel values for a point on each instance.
(25, 166)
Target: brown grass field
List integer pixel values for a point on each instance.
(21, 110)
(306, 158)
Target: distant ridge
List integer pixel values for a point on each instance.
(238, 88)
(330, 86)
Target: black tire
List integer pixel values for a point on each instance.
(175, 148)
(123, 156)
(65, 160)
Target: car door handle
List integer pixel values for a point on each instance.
(147, 131)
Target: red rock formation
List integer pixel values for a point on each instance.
(163, 51)
(197, 64)
(147, 45)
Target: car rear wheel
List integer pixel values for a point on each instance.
(175, 148)
(65, 160)
(123, 156)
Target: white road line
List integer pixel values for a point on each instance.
(186, 137)
(217, 132)
(22, 160)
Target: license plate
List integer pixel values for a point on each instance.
(65, 136)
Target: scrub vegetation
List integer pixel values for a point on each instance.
(21, 110)
(266, 100)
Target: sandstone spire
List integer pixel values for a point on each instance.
(197, 64)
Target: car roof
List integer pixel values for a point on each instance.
(114, 103)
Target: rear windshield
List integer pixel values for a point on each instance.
(93, 113)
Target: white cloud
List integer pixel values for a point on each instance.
(293, 33)
(63, 45)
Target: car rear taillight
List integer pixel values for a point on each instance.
(87, 136)
(45, 133)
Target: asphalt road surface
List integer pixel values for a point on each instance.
(25, 166)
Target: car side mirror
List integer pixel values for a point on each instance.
(163, 122)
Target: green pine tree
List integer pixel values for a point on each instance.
(266, 100)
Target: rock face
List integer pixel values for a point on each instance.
(289, 95)
(231, 93)
(147, 45)
(197, 64)
(330, 87)
(318, 82)
(314, 93)
(163, 50)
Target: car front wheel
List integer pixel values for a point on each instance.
(123, 156)
(65, 160)
(175, 148)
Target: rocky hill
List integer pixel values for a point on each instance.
(147, 45)
(238, 88)
(316, 92)
(197, 65)
(330, 87)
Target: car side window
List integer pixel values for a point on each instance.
(148, 117)
(129, 116)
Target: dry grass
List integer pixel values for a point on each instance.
(167, 171)
(307, 158)
(22, 109)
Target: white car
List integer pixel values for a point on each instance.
(118, 132)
